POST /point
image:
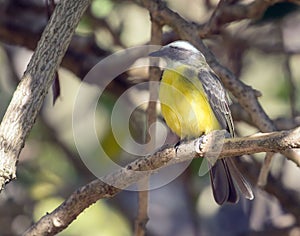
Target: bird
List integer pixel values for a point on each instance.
(194, 102)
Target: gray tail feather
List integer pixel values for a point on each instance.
(224, 175)
(239, 180)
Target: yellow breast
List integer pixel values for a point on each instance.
(184, 104)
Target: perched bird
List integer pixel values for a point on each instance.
(194, 102)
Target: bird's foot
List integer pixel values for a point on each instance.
(200, 144)
(176, 146)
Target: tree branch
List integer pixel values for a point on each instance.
(82, 198)
(154, 76)
(226, 12)
(291, 85)
(38, 77)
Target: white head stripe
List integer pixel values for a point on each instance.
(184, 45)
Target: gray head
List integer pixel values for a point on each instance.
(180, 52)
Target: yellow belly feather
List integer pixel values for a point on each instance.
(184, 105)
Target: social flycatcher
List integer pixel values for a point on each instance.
(193, 103)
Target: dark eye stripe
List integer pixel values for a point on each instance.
(178, 48)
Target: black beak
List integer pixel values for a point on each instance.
(158, 53)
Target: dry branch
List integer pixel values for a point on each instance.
(154, 76)
(38, 77)
(226, 12)
(82, 198)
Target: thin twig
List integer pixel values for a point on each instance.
(229, 11)
(292, 86)
(264, 171)
(142, 214)
(154, 76)
(281, 123)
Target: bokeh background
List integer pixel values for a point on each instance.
(264, 53)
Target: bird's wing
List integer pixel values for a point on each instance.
(220, 173)
(224, 170)
(217, 97)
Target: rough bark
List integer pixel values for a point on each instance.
(38, 77)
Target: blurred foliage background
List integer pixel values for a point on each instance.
(264, 53)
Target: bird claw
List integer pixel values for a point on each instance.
(200, 144)
(176, 146)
